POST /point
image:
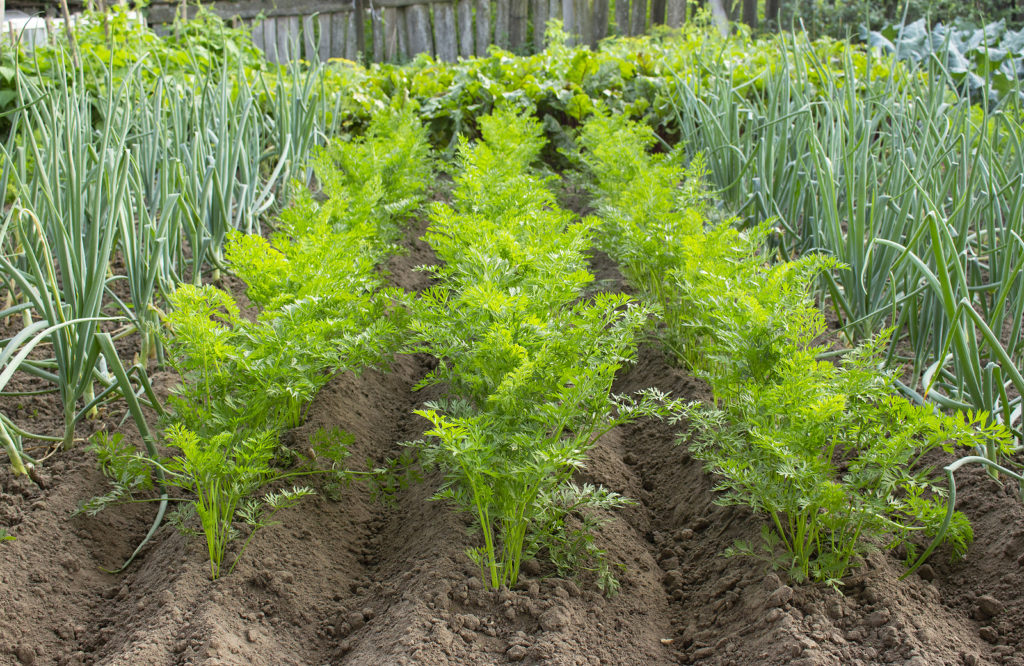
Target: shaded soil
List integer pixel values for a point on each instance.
(361, 581)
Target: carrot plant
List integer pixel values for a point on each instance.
(528, 363)
(322, 309)
(826, 451)
(323, 305)
(220, 473)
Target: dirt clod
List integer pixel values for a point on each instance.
(989, 634)
(516, 653)
(877, 618)
(989, 606)
(780, 597)
(554, 619)
(25, 655)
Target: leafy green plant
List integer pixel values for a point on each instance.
(831, 456)
(323, 302)
(828, 453)
(221, 474)
(855, 156)
(245, 380)
(527, 363)
(569, 518)
(985, 62)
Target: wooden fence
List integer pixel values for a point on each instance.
(397, 30)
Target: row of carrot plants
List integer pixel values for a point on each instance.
(323, 308)
(825, 449)
(527, 356)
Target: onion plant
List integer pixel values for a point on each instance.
(67, 221)
(220, 144)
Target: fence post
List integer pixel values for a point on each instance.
(658, 12)
(502, 11)
(622, 16)
(417, 18)
(465, 12)
(360, 10)
(675, 13)
(519, 13)
(445, 39)
(600, 20)
(638, 22)
(483, 26)
(540, 20)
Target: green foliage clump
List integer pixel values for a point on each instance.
(114, 42)
(322, 308)
(322, 302)
(827, 452)
(528, 363)
(220, 473)
(831, 455)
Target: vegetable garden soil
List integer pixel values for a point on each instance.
(359, 581)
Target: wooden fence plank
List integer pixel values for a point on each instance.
(622, 16)
(501, 18)
(519, 12)
(585, 21)
(256, 32)
(403, 36)
(540, 20)
(351, 37)
(555, 10)
(445, 38)
(378, 35)
(295, 37)
(417, 19)
(360, 24)
(309, 50)
(638, 20)
(324, 27)
(247, 10)
(270, 39)
(339, 24)
(657, 12)
(483, 26)
(600, 20)
(465, 15)
(675, 13)
(390, 16)
(284, 52)
(569, 19)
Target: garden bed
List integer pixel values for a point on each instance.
(360, 581)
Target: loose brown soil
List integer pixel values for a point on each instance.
(360, 581)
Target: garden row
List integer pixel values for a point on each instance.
(322, 308)
(125, 179)
(527, 358)
(827, 451)
(824, 138)
(526, 355)
(153, 188)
